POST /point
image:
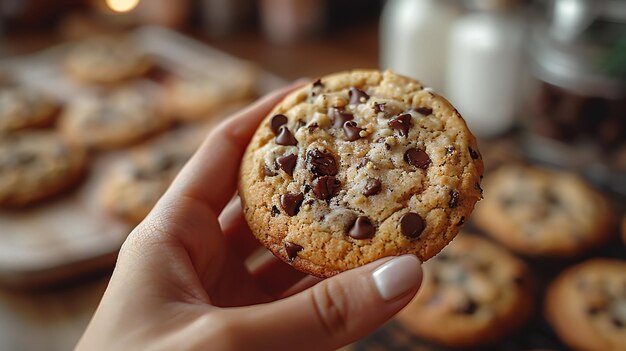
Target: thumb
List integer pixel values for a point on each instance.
(336, 311)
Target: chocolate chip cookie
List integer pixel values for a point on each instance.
(541, 212)
(474, 292)
(357, 166)
(37, 165)
(24, 108)
(106, 60)
(193, 98)
(121, 118)
(586, 305)
(134, 185)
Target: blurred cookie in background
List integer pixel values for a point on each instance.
(118, 119)
(586, 305)
(474, 293)
(198, 97)
(136, 182)
(37, 165)
(106, 60)
(24, 108)
(545, 213)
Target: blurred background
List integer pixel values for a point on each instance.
(540, 83)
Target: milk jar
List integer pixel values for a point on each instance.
(414, 38)
(484, 65)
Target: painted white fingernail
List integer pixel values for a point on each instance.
(397, 276)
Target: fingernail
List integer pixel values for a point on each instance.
(397, 276)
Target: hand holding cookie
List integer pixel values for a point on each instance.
(181, 283)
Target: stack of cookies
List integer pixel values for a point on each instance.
(141, 115)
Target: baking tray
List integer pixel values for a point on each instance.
(72, 235)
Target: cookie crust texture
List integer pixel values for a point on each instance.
(540, 212)
(377, 165)
(37, 165)
(474, 293)
(23, 108)
(586, 305)
(106, 60)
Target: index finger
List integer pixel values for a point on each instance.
(210, 176)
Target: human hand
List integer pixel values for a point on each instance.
(181, 283)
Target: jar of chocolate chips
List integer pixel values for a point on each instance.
(576, 106)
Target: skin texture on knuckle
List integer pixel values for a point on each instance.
(147, 234)
(331, 302)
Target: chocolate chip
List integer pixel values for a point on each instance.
(341, 117)
(20, 159)
(313, 127)
(595, 310)
(318, 84)
(473, 153)
(326, 187)
(307, 188)
(442, 257)
(165, 162)
(449, 150)
(362, 228)
(357, 96)
(470, 307)
(161, 163)
(268, 172)
(291, 203)
(292, 251)
(401, 123)
(387, 147)
(285, 137)
(275, 211)
(287, 163)
(411, 225)
(379, 107)
(141, 173)
(322, 163)
(454, 199)
(417, 157)
(519, 280)
(158, 74)
(507, 201)
(352, 131)
(424, 110)
(461, 221)
(372, 187)
(551, 198)
(276, 122)
(617, 322)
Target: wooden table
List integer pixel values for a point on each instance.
(54, 318)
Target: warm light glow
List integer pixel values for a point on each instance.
(122, 5)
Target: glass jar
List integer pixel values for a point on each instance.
(414, 38)
(576, 108)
